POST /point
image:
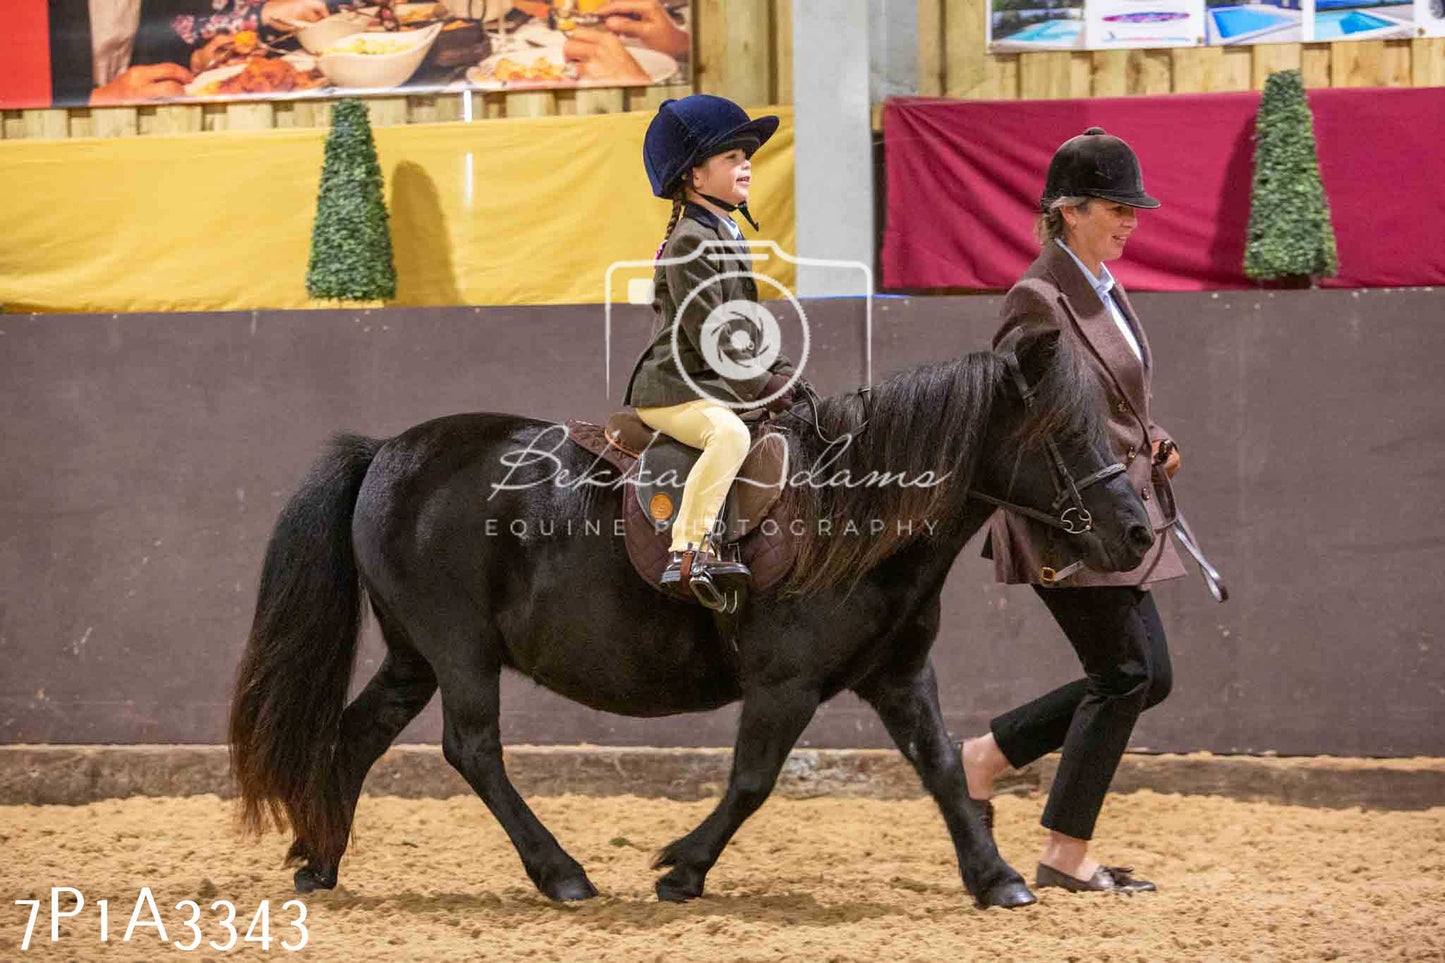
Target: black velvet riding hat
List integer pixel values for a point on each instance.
(1096, 164)
(686, 132)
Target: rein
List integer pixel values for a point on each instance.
(811, 397)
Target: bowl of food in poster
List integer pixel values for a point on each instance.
(316, 37)
(379, 59)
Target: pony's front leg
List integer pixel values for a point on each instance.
(908, 705)
(773, 718)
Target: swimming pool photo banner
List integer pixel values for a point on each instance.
(1021, 26)
(964, 178)
(1130, 24)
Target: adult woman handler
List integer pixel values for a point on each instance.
(1089, 208)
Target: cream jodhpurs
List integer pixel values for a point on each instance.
(724, 440)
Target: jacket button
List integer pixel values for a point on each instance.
(1121, 407)
(1130, 455)
(1144, 494)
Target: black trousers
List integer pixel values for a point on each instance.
(1120, 641)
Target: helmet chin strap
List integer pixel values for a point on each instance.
(741, 208)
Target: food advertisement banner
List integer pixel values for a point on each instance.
(75, 53)
(1017, 26)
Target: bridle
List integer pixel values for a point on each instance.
(1074, 519)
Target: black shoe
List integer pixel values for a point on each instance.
(1106, 879)
(672, 581)
(672, 575)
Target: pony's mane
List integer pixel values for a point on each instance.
(928, 422)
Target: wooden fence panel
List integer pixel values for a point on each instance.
(1081, 74)
(1150, 72)
(1270, 57)
(531, 103)
(1110, 73)
(1360, 63)
(930, 48)
(1315, 61)
(966, 64)
(1427, 62)
(47, 124)
(171, 119)
(782, 58)
(1046, 75)
(605, 100)
(256, 116)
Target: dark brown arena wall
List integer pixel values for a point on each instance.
(146, 456)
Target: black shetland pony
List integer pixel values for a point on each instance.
(461, 591)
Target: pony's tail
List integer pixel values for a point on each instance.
(292, 683)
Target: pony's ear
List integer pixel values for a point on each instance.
(1035, 351)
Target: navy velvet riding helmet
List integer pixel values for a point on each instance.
(687, 132)
(1096, 164)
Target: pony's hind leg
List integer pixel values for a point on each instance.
(471, 742)
(398, 691)
(907, 702)
(772, 720)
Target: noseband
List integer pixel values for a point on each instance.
(1075, 519)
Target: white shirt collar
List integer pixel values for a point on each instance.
(1103, 284)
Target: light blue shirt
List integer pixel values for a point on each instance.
(1102, 286)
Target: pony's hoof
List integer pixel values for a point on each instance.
(1010, 895)
(308, 880)
(677, 888)
(573, 889)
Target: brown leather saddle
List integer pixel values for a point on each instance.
(653, 470)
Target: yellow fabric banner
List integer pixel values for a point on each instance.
(523, 211)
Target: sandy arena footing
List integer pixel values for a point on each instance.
(826, 879)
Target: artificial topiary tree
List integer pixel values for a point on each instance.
(351, 239)
(1289, 218)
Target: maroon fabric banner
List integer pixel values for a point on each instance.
(964, 179)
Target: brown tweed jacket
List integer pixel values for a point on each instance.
(1054, 294)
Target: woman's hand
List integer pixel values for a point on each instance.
(1171, 460)
(209, 55)
(292, 11)
(149, 82)
(647, 21)
(601, 56)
